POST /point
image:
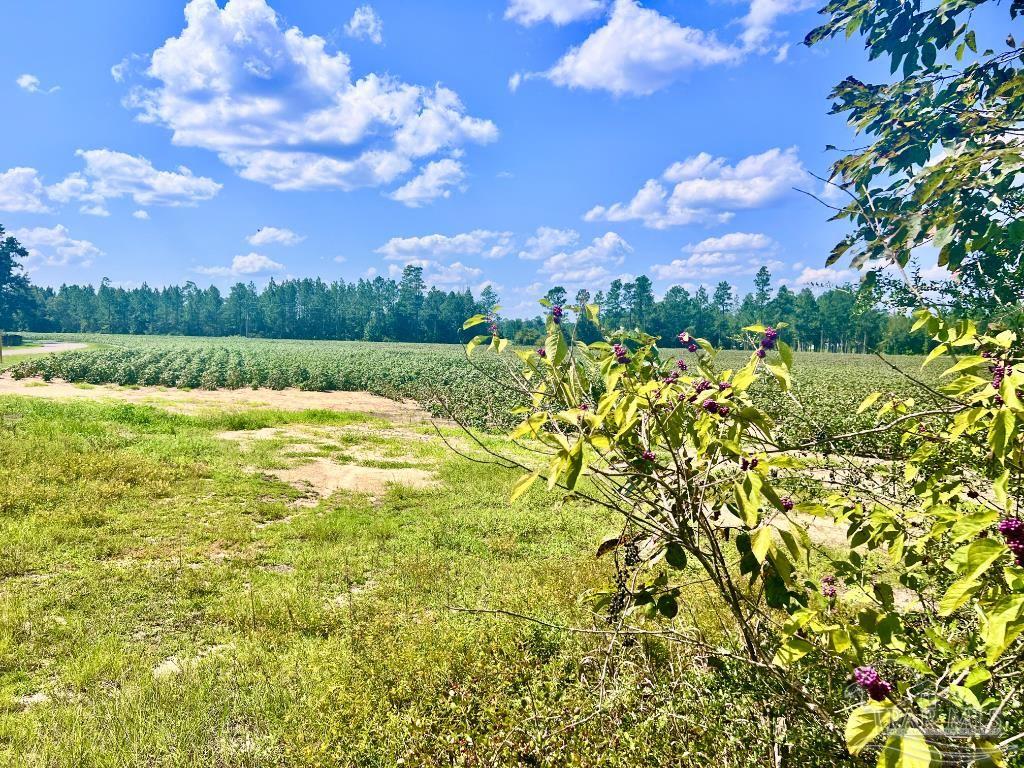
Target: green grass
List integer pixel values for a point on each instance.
(134, 540)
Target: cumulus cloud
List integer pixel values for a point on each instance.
(454, 275)
(365, 24)
(108, 175)
(559, 12)
(479, 242)
(824, 276)
(547, 242)
(707, 190)
(283, 111)
(589, 265)
(638, 51)
(274, 235)
(31, 84)
(54, 247)
(434, 181)
(736, 253)
(243, 266)
(141, 214)
(759, 23)
(21, 191)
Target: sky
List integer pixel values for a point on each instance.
(521, 143)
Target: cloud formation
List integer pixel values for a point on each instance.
(274, 235)
(589, 265)
(638, 51)
(558, 12)
(365, 24)
(547, 242)
(249, 265)
(736, 253)
(31, 84)
(480, 242)
(22, 191)
(281, 110)
(434, 181)
(707, 190)
(54, 247)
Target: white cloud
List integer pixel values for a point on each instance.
(530, 12)
(547, 242)
(141, 214)
(759, 23)
(54, 247)
(275, 235)
(735, 253)
(479, 242)
(249, 264)
(111, 175)
(707, 190)
(734, 242)
(824, 275)
(281, 110)
(438, 274)
(339, 259)
(588, 265)
(638, 51)
(366, 24)
(434, 181)
(21, 191)
(30, 83)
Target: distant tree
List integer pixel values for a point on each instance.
(410, 304)
(643, 300)
(557, 295)
(488, 299)
(762, 291)
(15, 297)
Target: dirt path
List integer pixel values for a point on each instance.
(197, 400)
(51, 346)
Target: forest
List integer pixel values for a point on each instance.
(837, 319)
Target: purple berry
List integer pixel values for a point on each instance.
(710, 406)
(869, 679)
(556, 314)
(692, 346)
(723, 410)
(703, 385)
(584, 407)
(542, 353)
(760, 353)
(681, 365)
(648, 456)
(828, 587)
(787, 503)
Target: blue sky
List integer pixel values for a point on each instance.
(518, 142)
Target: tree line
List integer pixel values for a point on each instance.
(381, 309)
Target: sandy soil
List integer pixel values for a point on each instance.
(323, 477)
(53, 346)
(197, 400)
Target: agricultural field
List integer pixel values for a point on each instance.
(829, 387)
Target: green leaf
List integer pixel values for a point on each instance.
(865, 724)
(909, 749)
(977, 557)
(523, 484)
(1003, 624)
(791, 651)
(761, 543)
(474, 320)
(675, 555)
(668, 606)
(868, 402)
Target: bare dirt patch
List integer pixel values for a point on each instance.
(56, 346)
(197, 400)
(323, 477)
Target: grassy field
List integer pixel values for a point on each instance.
(168, 601)
(171, 596)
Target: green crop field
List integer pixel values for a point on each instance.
(829, 387)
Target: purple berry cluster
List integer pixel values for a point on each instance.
(681, 365)
(787, 503)
(751, 464)
(672, 378)
(828, 587)
(710, 406)
(621, 354)
(542, 353)
(1013, 532)
(648, 456)
(768, 340)
(869, 679)
(703, 385)
(556, 314)
(492, 327)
